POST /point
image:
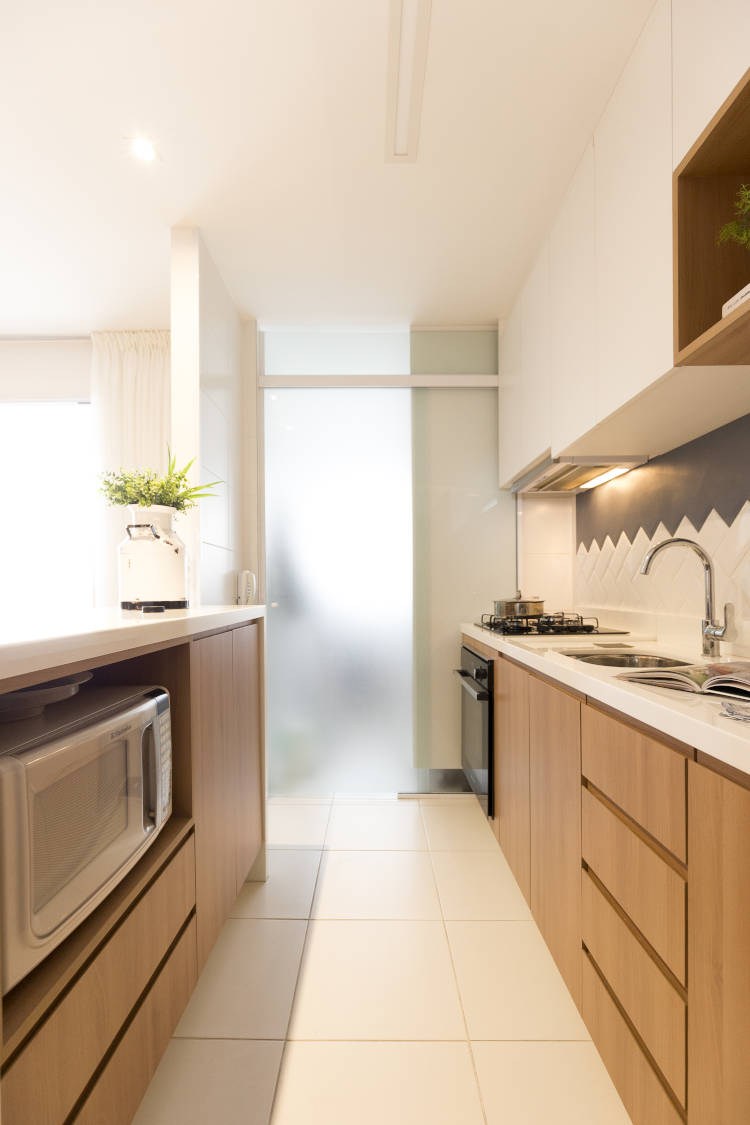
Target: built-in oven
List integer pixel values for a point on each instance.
(476, 678)
(84, 790)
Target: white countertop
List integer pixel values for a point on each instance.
(50, 636)
(690, 718)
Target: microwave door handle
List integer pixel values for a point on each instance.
(149, 774)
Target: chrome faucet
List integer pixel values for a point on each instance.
(711, 631)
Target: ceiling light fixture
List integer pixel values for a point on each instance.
(142, 148)
(407, 63)
(611, 474)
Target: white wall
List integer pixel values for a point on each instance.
(546, 549)
(45, 370)
(213, 410)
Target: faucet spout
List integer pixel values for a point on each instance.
(711, 631)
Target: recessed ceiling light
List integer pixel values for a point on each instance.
(142, 148)
(407, 63)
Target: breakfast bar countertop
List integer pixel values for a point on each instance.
(52, 637)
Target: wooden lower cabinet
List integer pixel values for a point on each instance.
(718, 949)
(115, 1096)
(249, 812)
(226, 773)
(642, 1093)
(555, 789)
(51, 1072)
(647, 888)
(654, 1006)
(511, 739)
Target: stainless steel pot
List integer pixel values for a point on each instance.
(519, 606)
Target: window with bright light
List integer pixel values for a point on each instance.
(48, 497)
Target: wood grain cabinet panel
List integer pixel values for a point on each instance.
(719, 950)
(644, 777)
(117, 1092)
(69, 1045)
(511, 701)
(213, 785)
(555, 784)
(655, 1008)
(642, 1093)
(650, 892)
(248, 794)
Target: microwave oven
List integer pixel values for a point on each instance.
(85, 789)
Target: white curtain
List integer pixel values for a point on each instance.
(130, 396)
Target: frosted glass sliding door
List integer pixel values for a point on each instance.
(339, 590)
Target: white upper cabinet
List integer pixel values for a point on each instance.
(572, 285)
(524, 366)
(633, 221)
(710, 54)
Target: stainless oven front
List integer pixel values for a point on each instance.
(476, 678)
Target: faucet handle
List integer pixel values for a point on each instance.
(712, 629)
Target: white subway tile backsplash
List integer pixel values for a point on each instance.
(607, 576)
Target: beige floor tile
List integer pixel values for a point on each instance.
(539, 1083)
(376, 885)
(479, 886)
(462, 828)
(297, 826)
(288, 891)
(380, 827)
(376, 980)
(377, 1084)
(509, 984)
(227, 1081)
(246, 988)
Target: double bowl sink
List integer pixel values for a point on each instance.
(626, 659)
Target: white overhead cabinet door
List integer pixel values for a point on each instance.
(633, 165)
(572, 283)
(525, 361)
(710, 54)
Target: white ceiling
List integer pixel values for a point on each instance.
(270, 123)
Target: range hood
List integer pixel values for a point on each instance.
(565, 476)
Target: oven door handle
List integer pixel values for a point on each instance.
(469, 684)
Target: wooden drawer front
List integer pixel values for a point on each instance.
(51, 1072)
(645, 778)
(655, 1008)
(120, 1087)
(642, 1093)
(650, 892)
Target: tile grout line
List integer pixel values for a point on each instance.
(455, 977)
(299, 969)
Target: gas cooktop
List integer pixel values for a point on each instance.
(546, 624)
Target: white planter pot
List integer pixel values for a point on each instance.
(152, 561)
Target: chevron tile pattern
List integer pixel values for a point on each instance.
(607, 575)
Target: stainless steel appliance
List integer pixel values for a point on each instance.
(546, 624)
(476, 679)
(85, 789)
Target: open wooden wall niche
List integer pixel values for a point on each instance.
(706, 274)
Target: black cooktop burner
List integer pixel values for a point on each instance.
(546, 623)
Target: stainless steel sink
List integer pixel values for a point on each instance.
(628, 659)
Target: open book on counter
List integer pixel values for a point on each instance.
(730, 678)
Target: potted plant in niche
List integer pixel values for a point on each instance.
(152, 559)
(737, 230)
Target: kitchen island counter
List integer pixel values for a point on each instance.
(48, 638)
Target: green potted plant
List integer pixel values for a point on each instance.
(737, 230)
(152, 559)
